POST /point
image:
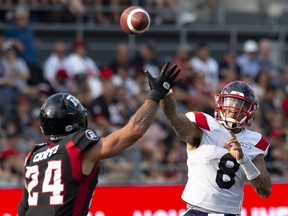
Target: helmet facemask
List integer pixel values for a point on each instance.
(234, 110)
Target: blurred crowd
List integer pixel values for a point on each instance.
(107, 12)
(113, 92)
(180, 12)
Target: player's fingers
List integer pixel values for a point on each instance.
(170, 92)
(148, 75)
(165, 67)
(226, 145)
(175, 74)
(232, 134)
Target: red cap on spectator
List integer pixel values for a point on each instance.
(62, 73)
(8, 152)
(79, 43)
(106, 73)
(23, 100)
(275, 134)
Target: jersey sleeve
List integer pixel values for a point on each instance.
(262, 146)
(259, 145)
(204, 121)
(85, 138)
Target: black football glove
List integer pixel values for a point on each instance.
(160, 86)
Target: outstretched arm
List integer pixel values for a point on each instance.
(186, 130)
(123, 138)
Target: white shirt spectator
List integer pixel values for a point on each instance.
(19, 68)
(202, 61)
(248, 61)
(76, 64)
(209, 67)
(52, 64)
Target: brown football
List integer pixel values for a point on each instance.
(135, 20)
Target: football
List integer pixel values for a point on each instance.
(135, 20)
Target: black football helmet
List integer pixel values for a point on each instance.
(239, 99)
(62, 114)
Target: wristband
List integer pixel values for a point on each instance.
(155, 96)
(250, 170)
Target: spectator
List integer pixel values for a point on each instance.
(26, 44)
(15, 68)
(201, 94)
(76, 7)
(146, 59)
(54, 62)
(121, 58)
(79, 65)
(100, 109)
(124, 79)
(13, 75)
(262, 80)
(104, 16)
(228, 65)
(202, 61)
(248, 61)
(23, 112)
(278, 154)
(165, 11)
(182, 57)
(11, 155)
(269, 108)
(264, 58)
(175, 160)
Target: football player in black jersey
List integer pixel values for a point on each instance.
(62, 172)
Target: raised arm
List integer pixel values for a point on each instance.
(123, 138)
(186, 130)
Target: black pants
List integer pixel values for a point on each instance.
(192, 212)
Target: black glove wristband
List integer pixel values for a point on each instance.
(155, 95)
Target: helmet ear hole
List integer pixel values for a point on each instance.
(62, 114)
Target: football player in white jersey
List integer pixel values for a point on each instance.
(222, 154)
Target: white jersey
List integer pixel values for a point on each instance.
(215, 179)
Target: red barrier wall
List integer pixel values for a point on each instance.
(157, 201)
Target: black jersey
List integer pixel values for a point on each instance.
(53, 174)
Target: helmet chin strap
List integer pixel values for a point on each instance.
(231, 123)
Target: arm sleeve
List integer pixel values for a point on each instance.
(23, 204)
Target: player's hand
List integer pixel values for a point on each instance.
(234, 147)
(161, 85)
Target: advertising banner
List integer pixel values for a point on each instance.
(157, 201)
